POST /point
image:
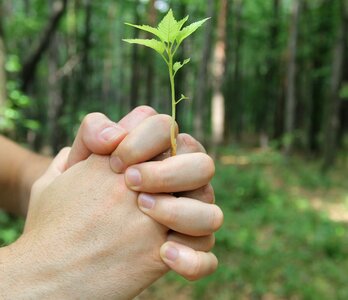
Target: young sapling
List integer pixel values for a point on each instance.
(170, 34)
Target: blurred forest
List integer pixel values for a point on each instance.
(268, 83)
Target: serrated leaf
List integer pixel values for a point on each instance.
(147, 28)
(178, 65)
(154, 44)
(188, 30)
(169, 27)
(182, 22)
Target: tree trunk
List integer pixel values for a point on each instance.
(332, 123)
(54, 94)
(228, 87)
(272, 82)
(200, 100)
(3, 94)
(218, 101)
(290, 102)
(238, 104)
(135, 68)
(150, 74)
(30, 65)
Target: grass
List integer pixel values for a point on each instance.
(276, 242)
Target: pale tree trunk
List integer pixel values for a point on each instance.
(332, 123)
(200, 104)
(219, 61)
(290, 102)
(3, 94)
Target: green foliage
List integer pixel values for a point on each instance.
(273, 242)
(171, 34)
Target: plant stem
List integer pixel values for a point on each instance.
(172, 85)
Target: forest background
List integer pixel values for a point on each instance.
(268, 83)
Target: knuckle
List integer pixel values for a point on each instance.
(208, 193)
(190, 144)
(207, 165)
(161, 177)
(210, 243)
(146, 110)
(217, 218)
(172, 215)
(163, 120)
(90, 118)
(193, 273)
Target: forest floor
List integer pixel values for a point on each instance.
(285, 234)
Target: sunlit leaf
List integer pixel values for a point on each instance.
(154, 44)
(150, 29)
(188, 30)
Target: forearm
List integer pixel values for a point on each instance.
(19, 168)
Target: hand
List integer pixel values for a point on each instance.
(140, 146)
(192, 217)
(84, 237)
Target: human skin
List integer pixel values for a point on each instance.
(204, 239)
(113, 248)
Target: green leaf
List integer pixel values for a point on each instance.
(169, 27)
(154, 44)
(147, 28)
(178, 65)
(182, 22)
(188, 30)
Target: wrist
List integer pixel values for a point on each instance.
(22, 274)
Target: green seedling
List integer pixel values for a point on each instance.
(170, 34)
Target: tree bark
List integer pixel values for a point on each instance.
(332, 123)
(238, 104)
(3, 94)
(219, 61)
(290, 102)
(150, 74)
(135, 68)
(30, 65)
(200, 101)
(272, 82)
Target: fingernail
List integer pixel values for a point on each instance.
(133, 177)
(116, 164)
(111, 133)
(171, 253)
(146, 201)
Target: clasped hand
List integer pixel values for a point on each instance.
(113, 213)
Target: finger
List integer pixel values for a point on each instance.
(99, 135)
(199, 243)
(136, 117)
(175, 174)
(186, 144)
(184, 215)
(146, 141)
(205, 194)
(187, 262)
